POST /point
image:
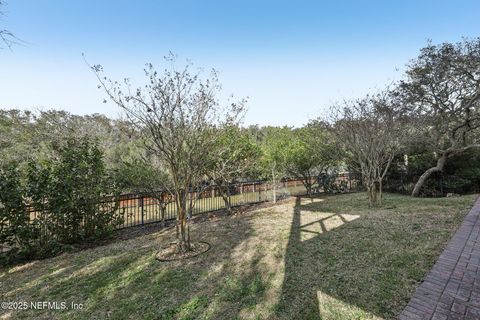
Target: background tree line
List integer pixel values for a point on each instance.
(66, 164)
(177, 136)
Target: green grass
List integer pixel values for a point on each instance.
(330, 258)
(131, 212)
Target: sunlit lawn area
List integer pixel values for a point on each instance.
(131, 212)
(330, 258)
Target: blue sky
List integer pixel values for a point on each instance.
(292, 58)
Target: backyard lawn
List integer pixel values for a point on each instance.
(330, 258)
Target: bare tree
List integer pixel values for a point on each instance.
(7, 37)
(442, 89)
(370, 131)
(178, 112)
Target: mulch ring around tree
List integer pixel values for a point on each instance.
(170, 253)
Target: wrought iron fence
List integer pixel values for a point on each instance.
(153, 207)
(437, 185)
(140, 209)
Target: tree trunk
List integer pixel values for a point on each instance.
(308, 186)
(177, 230)
(274, 192)
(372, 194)
(163, 208)
(183, 236)
(190, 198)
(274, 186)
(226, 199)
(380, 191)
(421, 181)
(183, 243)
(181, 239)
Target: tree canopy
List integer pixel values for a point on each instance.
(177, 113)
(442, 91)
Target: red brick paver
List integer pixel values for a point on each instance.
(451, 289)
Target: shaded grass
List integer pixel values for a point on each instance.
(330, 258)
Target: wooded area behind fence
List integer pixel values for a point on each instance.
(144, 208)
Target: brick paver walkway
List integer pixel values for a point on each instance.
(451, 290)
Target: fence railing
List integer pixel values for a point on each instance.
(140, 209)
(437, 185)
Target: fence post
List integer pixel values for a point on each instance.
(242, 197)
(441, 184)
(141, 208)
(349, 181)
(266, 190)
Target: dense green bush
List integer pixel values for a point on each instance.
(329, 183)
(64, 195)
(14, 222)
(70, 187)
(462, 173)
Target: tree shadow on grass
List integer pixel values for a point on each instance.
(124, 280)
(333, 266)
(328, 259)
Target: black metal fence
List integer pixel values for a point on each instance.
(140, 209)
(437, 185)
